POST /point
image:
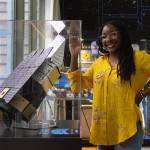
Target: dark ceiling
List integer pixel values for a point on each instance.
(93, 13)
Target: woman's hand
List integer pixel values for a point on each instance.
(139, 97)
(142, 94)
(74, 44)
(74, 38)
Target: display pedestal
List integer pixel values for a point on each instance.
(40, 143)
(28, 139)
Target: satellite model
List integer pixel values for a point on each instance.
(25, 88)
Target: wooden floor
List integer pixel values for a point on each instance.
(88, 148)
(94, 148)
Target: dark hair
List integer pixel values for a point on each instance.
(126, 65)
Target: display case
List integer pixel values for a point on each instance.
(37, 107)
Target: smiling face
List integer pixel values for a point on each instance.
(111, 38)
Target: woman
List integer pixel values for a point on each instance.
(117, 78)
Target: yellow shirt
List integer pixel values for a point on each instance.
(115, 113)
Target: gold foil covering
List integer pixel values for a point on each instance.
(54, 75)
(3, 93)
(29, 111)
(19, 103)
(46, 84)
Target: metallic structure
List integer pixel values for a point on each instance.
(22, 92)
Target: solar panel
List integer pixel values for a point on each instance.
(23, 72)
(28, 84)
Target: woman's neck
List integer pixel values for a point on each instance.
(113, 59)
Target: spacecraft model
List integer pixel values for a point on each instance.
(25, 88)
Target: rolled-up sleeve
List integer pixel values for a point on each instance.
(79, 81)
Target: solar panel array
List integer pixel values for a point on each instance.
(23, 72)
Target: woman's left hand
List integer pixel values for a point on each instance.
(138, 98)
